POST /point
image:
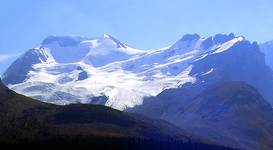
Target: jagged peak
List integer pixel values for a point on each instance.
(222, 38)
(42, 54)
(219, 39)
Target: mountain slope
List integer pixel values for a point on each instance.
(31, 123)
(231, 113)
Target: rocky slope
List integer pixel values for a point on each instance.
(231, 113)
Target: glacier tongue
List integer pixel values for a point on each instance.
(80, 69)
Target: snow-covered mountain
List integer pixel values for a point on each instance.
(215, 88)
(105, 71)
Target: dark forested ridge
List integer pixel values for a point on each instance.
(30, 123)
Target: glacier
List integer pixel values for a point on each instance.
(67, 69)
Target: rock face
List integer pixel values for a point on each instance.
(19, 69)
(267, 49)
(231, 113)
(242, 62)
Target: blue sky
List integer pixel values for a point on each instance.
(145, 24)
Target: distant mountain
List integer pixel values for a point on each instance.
(105, 71)
(30, 123)
(267, 49)
(231, 113)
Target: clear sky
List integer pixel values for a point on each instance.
(144, 24)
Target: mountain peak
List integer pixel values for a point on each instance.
(222, 38)
(63, 41)
(19, 69)
(190, 37)
(114, 40)
(105, 35)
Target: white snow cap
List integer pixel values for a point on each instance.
(110, 68)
